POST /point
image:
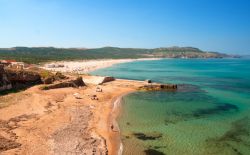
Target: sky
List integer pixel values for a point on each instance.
(211, 25)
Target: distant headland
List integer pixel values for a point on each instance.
(46, 54)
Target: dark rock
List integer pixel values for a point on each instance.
(153, 152)
(59, 75)
(106, 79)
(48, 77)
(70, 83)
(232, 140)
(148, 81)
(7, 144)
(215, 110)
(143, 136)
(23, 76)
(48, 80)
(5, 84)
(158, 87)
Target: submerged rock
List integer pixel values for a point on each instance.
(232, 141)
(216, 110)
(153, 152)
(158, 87)
(150, 136)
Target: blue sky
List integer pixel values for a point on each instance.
(213, 25)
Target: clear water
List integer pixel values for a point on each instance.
(210, 114)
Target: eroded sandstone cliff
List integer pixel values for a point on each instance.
(5, 84)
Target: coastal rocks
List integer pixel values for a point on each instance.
(106, 79)
(78, 82)
(4, 81)
(158, 87)
(21, 79)
(148, 81)
(98, 80)
(23, 76)
(149, 136)
(49, 78)
(153, 152)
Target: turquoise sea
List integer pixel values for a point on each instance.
(209, 114)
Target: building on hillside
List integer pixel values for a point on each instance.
(13, 64)
(6, 62)
(17, 65)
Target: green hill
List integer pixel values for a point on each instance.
(44, 54)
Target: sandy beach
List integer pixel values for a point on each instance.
(86, 66)
(66, 120)
(54, 121)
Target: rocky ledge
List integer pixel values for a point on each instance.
(78, 82)
(23, 78)
(5, 83)
(158, 87)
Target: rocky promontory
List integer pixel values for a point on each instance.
(22, 78)
(5, 83)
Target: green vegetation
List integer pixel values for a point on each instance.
(44, 54)
(45, 74)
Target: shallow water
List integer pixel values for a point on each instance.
(209, 114)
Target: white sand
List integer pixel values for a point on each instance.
(86, 66)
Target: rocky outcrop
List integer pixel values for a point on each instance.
(22, 76)
(158, 87)
(49, 78)
(106, 79)
(78, 82)
(5, 84)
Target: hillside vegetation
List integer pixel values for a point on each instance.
(44, 54)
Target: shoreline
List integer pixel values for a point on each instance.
(115, 112)
(87, 66)
(62, 122)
